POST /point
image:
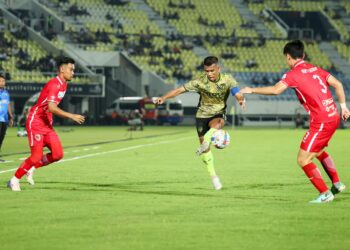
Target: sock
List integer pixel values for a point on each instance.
(209, 134)
(14, 179)
(208, 160)
(329, 166)
(47, 159)
(315, 177)
(31, 170)
(23, 169)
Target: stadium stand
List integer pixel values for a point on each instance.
(122, 26)
(169, 38)
(23, 59)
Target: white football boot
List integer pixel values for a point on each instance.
(203, 147)
(323, 198)
(29, 176)
(216, 182)
(14, 184)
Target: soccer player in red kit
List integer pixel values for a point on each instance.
(39, 124)
(311, 85)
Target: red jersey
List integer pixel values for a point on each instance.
(39, 118)
(150, 108)
(312, 89)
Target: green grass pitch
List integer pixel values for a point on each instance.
(153, 192)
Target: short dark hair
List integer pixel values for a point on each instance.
(295, 49)
(64, 60)
(210, 60)
(2, 76)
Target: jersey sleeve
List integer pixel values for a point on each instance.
(52, 92)
(232, 82)
(288, 80)
(192, 86)
(323, 74)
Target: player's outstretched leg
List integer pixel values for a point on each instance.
(214, 125)
(56, 154)
(206, 141)
(329, 166)
(316, 179)
(22, 170)
(313, 173)
(208, 160)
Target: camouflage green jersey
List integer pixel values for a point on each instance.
(213, 95)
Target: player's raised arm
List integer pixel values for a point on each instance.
(277, 89)
(339, 91)
(54, 109)
(171, 94)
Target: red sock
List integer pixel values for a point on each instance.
(329, 166)
(44, 161)
(23, 169)
(315, 177)
(48, 159)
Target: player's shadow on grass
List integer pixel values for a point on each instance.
(262, 186)
(131, 187)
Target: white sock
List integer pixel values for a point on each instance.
(31, 170)
(14, 179)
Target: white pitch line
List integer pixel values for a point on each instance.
(110, 151)
(5, 162)
(65, 152)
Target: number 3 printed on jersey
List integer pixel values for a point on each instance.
(324, 89)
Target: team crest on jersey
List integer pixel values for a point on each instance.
(221, 87)
(37, 137)
(61, 94)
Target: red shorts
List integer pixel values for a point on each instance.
(318, 136)
(38, 139)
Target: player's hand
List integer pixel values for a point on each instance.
(242, 103)
(158, 100)
(11, 122)
(345, 113)
(78, 118)
(246, 90)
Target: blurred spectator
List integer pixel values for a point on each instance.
(228, 54)
(247, 42)
(251, 63)
(109, 16)
(117, 2)
(261, 40)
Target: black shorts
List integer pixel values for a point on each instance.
(202, 124)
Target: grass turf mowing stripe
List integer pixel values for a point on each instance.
(110, 151)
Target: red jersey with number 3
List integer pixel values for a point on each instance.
(312, 89)
(39, 118)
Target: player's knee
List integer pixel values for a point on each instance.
(57, 156)
(217, 123)
(301, 161)
(35, 159)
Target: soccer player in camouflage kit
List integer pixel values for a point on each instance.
(214, 88)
